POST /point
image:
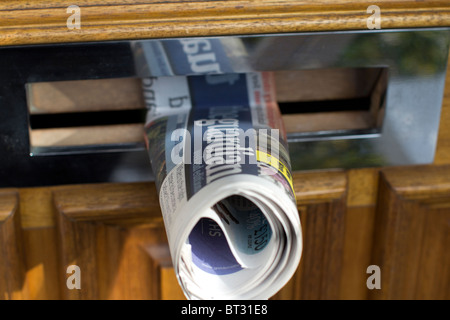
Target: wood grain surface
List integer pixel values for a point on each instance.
(396, 218)
(38, 21)
(321, 204)
(412, 233)
(12, 262)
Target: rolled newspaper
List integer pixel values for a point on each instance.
(219, 154)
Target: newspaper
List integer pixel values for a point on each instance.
(219, 154)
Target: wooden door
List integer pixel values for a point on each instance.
(394, 218)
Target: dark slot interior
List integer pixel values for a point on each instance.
(356, 104)
(83, 119)
(112, 117)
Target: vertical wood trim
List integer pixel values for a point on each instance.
(321, 199)
(321, 265)
(411, 223)
(12, 262)
(169, 289)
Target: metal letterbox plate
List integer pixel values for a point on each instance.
(415, 62)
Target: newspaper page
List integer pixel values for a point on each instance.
(218, 150)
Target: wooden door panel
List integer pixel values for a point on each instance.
(321, 204)
(12, 264)
(412, 233)
(116, 235)
(107, 231)
(396, 218)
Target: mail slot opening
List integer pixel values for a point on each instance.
(331, 103)
(108, 114)
(85, 116)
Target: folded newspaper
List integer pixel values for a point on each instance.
(218, 151)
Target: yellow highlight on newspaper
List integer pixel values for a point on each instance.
(277, 164)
